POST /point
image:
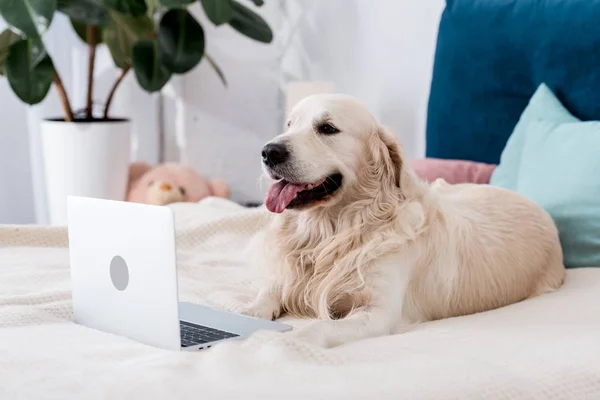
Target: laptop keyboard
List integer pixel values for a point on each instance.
(192, 334)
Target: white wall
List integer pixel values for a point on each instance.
(16, 191)
(380, 51)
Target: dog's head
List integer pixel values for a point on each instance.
(331, 145)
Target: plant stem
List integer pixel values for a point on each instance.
(64, 99)
(91, 35)
(124, 72)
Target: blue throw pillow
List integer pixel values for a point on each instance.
(553, 158)
(492, 55)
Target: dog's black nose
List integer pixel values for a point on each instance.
(274, 154)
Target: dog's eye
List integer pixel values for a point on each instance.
(182, 191)
(289, 123)
(327, 129)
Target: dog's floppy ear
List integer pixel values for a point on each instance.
(392, 158)
(389, 156)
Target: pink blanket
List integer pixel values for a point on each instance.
(453, 171)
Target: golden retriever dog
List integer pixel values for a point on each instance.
(360, 243)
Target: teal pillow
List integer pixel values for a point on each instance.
(553, 158)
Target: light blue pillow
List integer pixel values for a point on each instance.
(553, 158)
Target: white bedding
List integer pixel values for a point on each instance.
(545, 348)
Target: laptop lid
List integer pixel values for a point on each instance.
(123, 269)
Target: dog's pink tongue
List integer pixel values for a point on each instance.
(280, 195)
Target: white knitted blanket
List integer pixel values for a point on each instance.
(545, 348)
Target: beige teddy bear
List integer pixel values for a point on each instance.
(171, 183)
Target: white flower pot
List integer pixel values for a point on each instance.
(88, 159)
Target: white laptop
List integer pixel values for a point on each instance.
(124, 279)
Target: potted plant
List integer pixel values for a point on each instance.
(87, 154)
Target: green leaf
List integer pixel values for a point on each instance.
(250, 24)
(90, 12)
(122, 32)
(180, 40)
(217, 69)
(81, 31)
(218, 11)
(134, 8)
(258, 2)
(151, 74)
(7, 38)
(175, 3)
(28, 17)
(29, 70)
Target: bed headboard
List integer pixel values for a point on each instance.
(491, 56)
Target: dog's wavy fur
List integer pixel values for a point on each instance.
(327, 251)
(389, 243)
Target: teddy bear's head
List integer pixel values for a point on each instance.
(171, 183)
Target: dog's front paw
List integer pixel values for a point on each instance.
(263, 310)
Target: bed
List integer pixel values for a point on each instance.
(546, 347)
